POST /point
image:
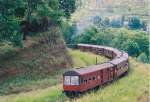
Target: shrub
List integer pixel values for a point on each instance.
(68, 6)
(131, 47)
(134, 23)
(143, 58)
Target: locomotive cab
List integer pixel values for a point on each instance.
(71, 82)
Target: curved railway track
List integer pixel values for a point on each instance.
(80, 80)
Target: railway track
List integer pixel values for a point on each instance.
(80, 80)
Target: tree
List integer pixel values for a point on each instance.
(97, 20)
(40, 15)
(134, 23)
(69, 33)
(131, 47)
(117, 21)
(142, 39)
(68, 6)
(20, 17)
(144, 25)
(10, 21)
(143, 58)
(89, 36)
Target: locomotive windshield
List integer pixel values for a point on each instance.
(71, 80)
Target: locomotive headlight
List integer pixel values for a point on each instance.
(74, 80)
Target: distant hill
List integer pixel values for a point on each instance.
(105, 8)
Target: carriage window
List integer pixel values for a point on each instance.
(82, 80)
(93, 78)
(67, 80)
(85, 81)
(74, 80)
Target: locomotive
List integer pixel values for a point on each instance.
(80, 80)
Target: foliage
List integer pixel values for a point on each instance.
(19, 18)
(68, 6)
(134, 23)
(10, 22)
(134, 42)
(116, 23)
(131, 47)
(88, 36)
(143, 58)
(69, 32)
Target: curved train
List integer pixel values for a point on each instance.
(80, 80)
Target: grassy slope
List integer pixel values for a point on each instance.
(127, 89)
(16, 84)
(81, 59)
(41, 57)
(112, 7)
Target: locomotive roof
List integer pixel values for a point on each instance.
(88, 69)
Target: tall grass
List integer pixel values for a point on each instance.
(81, 59)
(127, 89)
(130, 88)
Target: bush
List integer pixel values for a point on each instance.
(134, 23)
(116, 23)
(6, 50)
(68, 6)
(69, 33)
(143, 58)
(131, 47)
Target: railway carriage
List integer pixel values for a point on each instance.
(80, 80)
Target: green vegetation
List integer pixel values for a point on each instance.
(134, 23)
(134, 42)
(81, 59)
(133, 87)
(20, 18)
(143, 58)
(68, 6)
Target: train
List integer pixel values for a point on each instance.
(80, 80)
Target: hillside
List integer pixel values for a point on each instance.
(42, 55)
(88, 9)
(131, 88)
(29, 80)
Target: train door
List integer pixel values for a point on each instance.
(105, 75)
(101, 76)
(111, 74)
(115, 72)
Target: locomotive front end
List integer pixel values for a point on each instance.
(71, 82)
